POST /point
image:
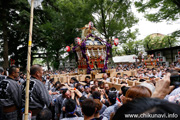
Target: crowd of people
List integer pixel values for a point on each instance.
(94, 99)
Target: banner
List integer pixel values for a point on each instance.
(36, 3)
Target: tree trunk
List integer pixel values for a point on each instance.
(5, 47)
(57, 59)
(177, 3)
(47, 60)
(169, 41)
(104, 23)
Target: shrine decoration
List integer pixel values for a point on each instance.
(94, 50)
(78, 41)
(157, 59)
(68, 49)
(116, 41)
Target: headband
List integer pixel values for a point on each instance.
(72, 111)
(87, 87)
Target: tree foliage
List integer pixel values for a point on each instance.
(14, 30)
(61, 29)
(164, 9)
(177, 2)
(116, 51)
(114, 18)
(132, 47)
(158, 42)
(55, 25)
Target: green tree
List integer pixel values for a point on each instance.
(166, 9)
(60, 28)
(158, 42)
(132, 47)
(151, 43)
(114, 18)
(116, 51)
(54, 27)
(15, 30)
(177, 2)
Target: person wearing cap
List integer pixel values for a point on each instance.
(38, 95)
(11, 95)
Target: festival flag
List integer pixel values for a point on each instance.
(36, 3)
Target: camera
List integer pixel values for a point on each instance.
(175, 78)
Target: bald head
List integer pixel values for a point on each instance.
(36, 71)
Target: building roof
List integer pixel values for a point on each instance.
(156, 35)
(125, 59)
(161, 49)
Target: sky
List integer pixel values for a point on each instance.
(146, 27)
